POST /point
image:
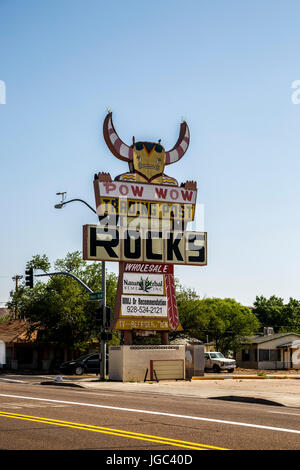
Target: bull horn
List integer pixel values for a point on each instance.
(181, 145)
(113, 141)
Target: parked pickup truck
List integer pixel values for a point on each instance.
(216, 361)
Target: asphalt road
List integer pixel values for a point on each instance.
(39, 417)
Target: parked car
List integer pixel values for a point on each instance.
(88, 363)
(216, 361)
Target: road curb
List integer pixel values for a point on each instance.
(208, 378)
(229, 378)
(247, 377)
(243, 399)
(62, 384)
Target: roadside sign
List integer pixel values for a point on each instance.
(96, 296)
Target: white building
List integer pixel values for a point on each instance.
(271, 351)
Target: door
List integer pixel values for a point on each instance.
(207, 361)
(93, 364)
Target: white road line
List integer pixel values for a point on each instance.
(284, 413)
(44, 376)
(13, 380)
(158, 413)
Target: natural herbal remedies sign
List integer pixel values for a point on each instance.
(143, 283)
(142, 305)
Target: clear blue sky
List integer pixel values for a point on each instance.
(227, 67)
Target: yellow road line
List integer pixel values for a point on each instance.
(111, 431)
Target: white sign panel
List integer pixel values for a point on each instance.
(144, 246)
(143, 306)
(147, 192)
(143, 284)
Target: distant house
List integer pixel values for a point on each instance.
(20, 352)
(270, 351)
(14, 345)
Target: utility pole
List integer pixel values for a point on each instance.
(16, 278)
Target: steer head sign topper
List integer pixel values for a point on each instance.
(146, 160)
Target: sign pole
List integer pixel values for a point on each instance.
(102, 341)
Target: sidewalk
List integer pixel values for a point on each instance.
(277, 391)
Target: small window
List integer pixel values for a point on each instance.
(269, 355)
(245, 355)
(275, 355)
(279, 355)
(264, 355)
(95, 357)
(216, 355)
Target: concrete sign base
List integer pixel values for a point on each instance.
(139, 363)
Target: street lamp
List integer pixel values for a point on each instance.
(63, 202)
(63, 196)
(103, 280)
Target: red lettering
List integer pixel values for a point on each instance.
(148, 268)
(161, 193)
(124, 190)
(137, 191)
(174, 194)
(186, 195)
(109, 187)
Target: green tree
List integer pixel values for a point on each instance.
(39, 262)
(270, 312)
(188, 304)
(59, 307)
(291, 317)
(229, 322)
(224, 321)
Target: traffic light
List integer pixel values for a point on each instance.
(106, 336)
(107, 317)
(103, 316)
(29, 278)
(99, 316)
